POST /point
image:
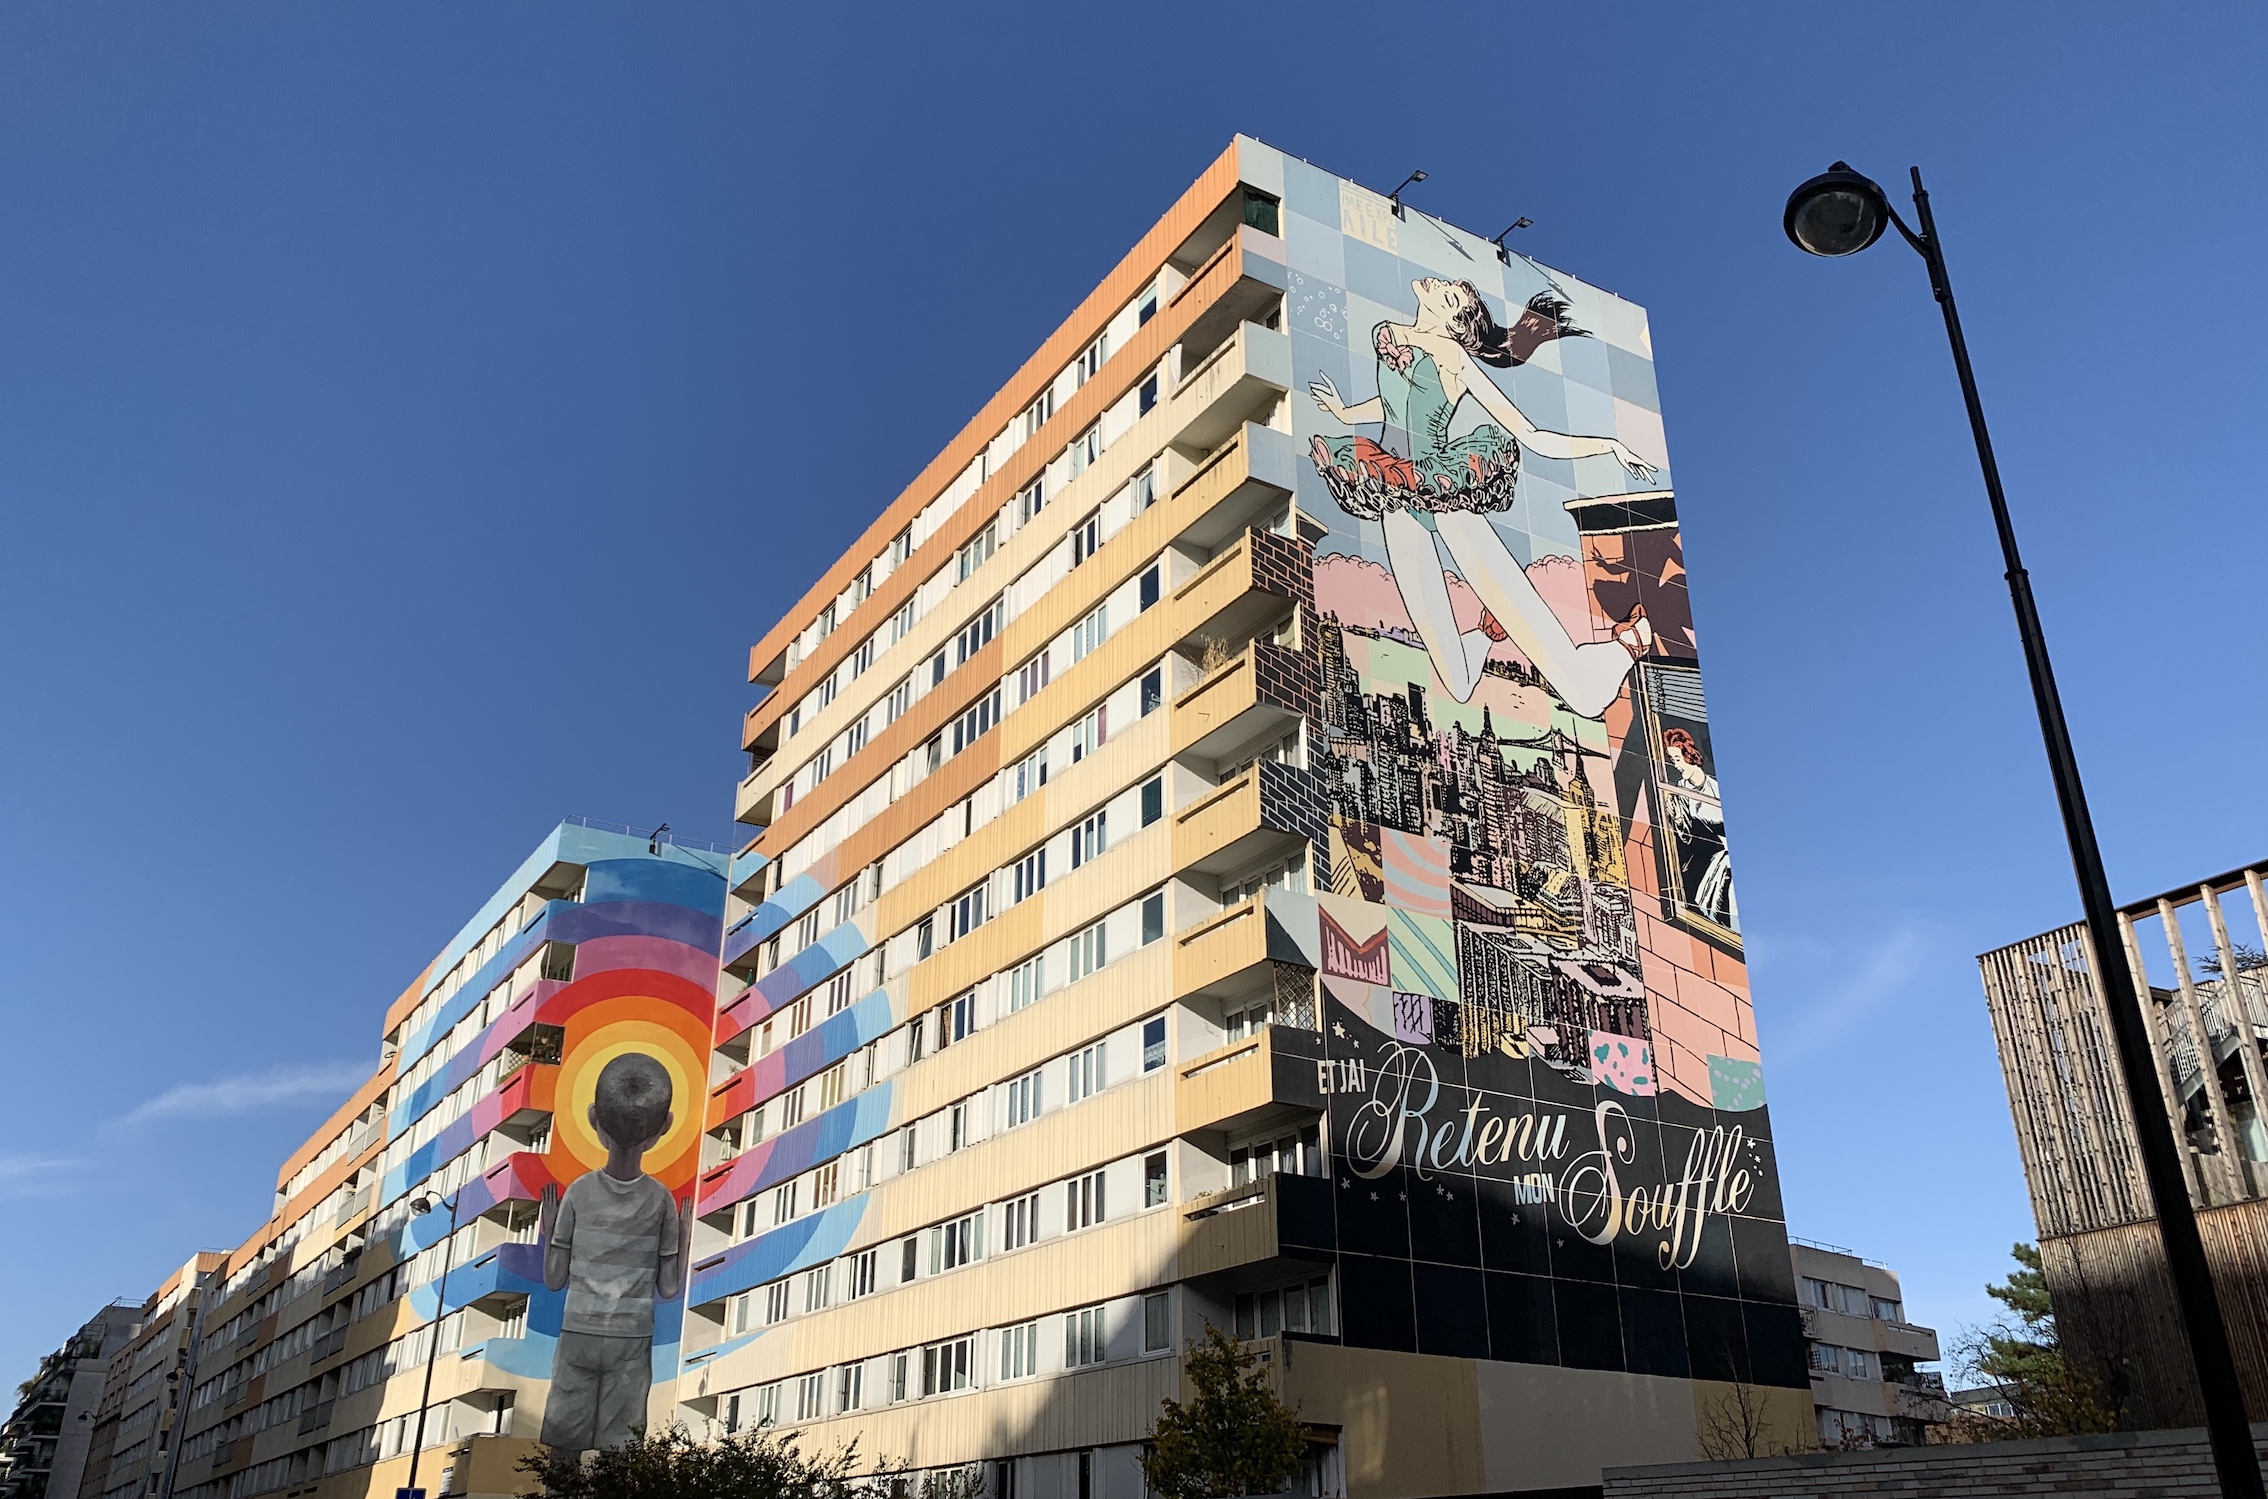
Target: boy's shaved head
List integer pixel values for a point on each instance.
(633, 1101)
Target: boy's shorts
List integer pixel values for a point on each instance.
(598, 1393)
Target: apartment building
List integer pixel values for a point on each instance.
(1866, 1381)
(402, 1253)
(134, 1441)
(1238, 842)
(44, 1442)
(2195, 954)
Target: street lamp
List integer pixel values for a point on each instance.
(1841, 212)
(421, 1205)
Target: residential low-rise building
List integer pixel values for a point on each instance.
(1867, 1382)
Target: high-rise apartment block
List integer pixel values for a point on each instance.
(2196, 957)
(1236, 843)
(1241, 845)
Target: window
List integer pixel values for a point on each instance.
(1030, 876)
(1153, 1044)
(831, 1085)
(979, 550)
(839, 994)
(1888, 1311)
(558, 962)
(1024, 1097)
(1090, 733)
(906, 1269)
(1153, 691)
(901, 623)
(811, 1397)
(1090, 632)
(1085, 449)
(1090, 837)
(897, 1377)
(1026, 982)
(1087, 1071)
(906, 1147)
(1154, 1194)
(957, 1127)
(743, 1311)
(1091, 362)
(925, 938)
(826, 1185)
(900, 699)
(858, 1280)
(1036, 414)
(1030, 501)
(749, 1218)
(977, 721)
(945, 1367)
(955, 1019)
(799, 1016)
(1083, 1201)
(1145, 488)
(977, 633)
(1019, 1221)
(1086, 540)
(1153, 800)
(783, 1203)
(1083, 1338)
(970, 910)
(768, 1404)
(1149, 397)
(1031, 677)
(1019, 1351)
(1087, 952)
(1157, 1322)
(791, 1108)
(807, 929)
(815, 1290)
(850, 1387)
(776, 1302)
(1300, 1307)
(863, 657)
(1147, 308)
(1260, 211)
(1153, 918)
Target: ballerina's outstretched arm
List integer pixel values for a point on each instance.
(1535, 439)
(1326, 396)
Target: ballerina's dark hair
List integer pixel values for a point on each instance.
(1546, 317)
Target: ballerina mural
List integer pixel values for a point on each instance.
(1433, 484)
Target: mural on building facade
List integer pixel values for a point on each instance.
(1546, 1097)
(627, 1021)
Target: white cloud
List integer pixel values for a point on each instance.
(252, 1090)
(30, 1175)
(1806, 1017)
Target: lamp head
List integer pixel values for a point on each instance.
(1838, 212)
(421, 1205)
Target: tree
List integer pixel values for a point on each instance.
(756, 1464)
(2053, 1388)
(1736, 1422)
(1234, 1436)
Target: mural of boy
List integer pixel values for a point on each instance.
(616, 1241)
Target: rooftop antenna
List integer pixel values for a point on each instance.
(1503, 254)
(1395, 197)
(653, 840)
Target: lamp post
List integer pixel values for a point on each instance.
(1841, 212)
(422, 1205)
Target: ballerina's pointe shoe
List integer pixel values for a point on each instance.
(1637, 633)
(1490, 627)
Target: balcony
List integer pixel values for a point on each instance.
(315, 1417)
(1251, 1084)
(1258, 694)
(1268, 809)
(330, 1345)
(1252, 1228)
(1253, 582)
(1224, 953)
(1237, 382)
(1236, 487)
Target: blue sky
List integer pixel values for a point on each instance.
(408, 418)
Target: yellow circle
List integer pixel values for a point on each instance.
(605, 1036)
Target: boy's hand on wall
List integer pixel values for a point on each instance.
(547, 1212)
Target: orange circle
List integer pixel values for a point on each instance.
(599, 1033)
